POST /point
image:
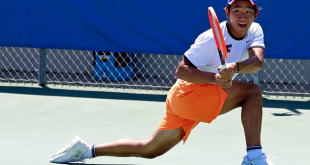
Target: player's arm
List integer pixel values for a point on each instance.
(188, 72)
(254, 63)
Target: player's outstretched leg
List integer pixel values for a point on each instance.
(157, 144)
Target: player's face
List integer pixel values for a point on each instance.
(241, 16)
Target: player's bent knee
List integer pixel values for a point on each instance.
(152, 151)
(151, 154)
(254, 90)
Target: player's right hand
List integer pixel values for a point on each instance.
(222, 83)
(227, 73)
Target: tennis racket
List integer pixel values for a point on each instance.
(218, 36)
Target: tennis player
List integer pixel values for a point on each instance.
(203, 92)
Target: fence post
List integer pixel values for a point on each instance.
(42, 67)
(257, 78)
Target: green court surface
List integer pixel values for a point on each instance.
(36, 122)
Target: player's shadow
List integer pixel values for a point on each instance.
(294, 107)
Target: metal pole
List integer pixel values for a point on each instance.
(42, 67)
(257, 78)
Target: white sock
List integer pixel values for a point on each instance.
(89, 153)
(254, 152)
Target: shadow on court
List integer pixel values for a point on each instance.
(98, 164)
(46, 91)
(290, 105)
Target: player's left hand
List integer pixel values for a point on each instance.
(227, 74)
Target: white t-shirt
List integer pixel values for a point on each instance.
(204, 54)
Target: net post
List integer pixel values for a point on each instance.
(42, 67)
(257, 78)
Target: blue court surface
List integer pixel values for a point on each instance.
(36, 122)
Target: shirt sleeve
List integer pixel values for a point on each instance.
(200, 52)
(258, 38)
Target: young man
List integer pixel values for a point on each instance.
(203, 91)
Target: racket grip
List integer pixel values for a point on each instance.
(223, 66)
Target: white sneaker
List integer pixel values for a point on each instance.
(263, 160)
(72, 152)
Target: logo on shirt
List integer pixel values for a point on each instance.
(228, 47)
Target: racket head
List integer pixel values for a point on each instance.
(217, 32)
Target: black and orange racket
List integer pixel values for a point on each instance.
(218, 36)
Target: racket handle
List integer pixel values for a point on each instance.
(223, 66)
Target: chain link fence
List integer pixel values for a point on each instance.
(281, 77)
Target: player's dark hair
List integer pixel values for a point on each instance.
(255, 8)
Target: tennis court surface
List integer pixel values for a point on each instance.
(36, 122)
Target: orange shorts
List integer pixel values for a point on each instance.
(187, 104)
